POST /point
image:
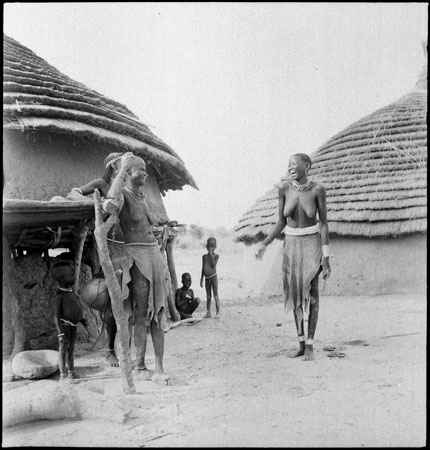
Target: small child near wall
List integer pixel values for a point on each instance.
(67, 314)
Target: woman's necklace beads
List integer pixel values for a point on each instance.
(301, 187)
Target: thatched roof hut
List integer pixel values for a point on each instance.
(56, 135)
(375, 174)
(374, 171)
(38, 97)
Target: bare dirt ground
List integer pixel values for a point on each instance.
(232, 383)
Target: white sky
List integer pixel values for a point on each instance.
(233, 88)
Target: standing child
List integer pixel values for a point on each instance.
(67, 314)
(185, 302)
(209, 262)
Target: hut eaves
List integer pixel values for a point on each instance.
(38, 97)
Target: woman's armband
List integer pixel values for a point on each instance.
(326, 251)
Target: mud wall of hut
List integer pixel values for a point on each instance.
(8, 303)
(34, 291)
(360, 267)
(39, 166)
(378, 266)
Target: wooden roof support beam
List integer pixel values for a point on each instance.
(81, 232)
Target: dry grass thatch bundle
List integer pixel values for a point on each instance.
(37, 97)
(374, 171)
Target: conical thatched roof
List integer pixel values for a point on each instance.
(36, 96)
(374, 171)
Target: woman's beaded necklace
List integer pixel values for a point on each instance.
(301, 187)
(137, 195)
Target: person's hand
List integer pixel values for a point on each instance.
(75, 195)
(326, 269)
(127, 160)
(110, 205)
(261, 250)
(62, 339)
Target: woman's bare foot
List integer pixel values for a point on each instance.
(217, 316)
(160, 377)
(111, 359)
(63, 378)
(299, 352)
(309, 353)
(207, 316)
(71, 377)
(144, 374)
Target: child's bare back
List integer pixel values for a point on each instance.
(68, 313)
(70, 308)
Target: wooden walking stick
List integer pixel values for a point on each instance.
(124, 354)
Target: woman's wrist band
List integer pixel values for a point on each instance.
(326, 251)
(59, 335)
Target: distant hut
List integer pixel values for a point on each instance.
(375, 173)
(56, 134)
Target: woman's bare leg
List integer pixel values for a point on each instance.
(139, 291)
(300, 333)
(111, 329)
(312, 320)
(157, 335)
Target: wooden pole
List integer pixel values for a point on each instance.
(171, 262)
(124, 353)
(174, 314)
(82, 234)
(19, 340)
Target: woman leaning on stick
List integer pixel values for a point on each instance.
(306, 247)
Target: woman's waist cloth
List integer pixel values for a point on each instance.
(301, 231)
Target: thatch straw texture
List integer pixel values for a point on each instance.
(37, 97)
(374, 172)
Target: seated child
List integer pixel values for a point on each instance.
(67, 314)
(185, 302)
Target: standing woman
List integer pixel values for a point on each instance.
(306, 247)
